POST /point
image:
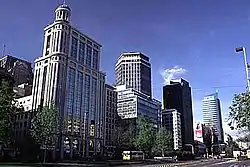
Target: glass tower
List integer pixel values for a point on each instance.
(68, 74)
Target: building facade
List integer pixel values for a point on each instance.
(134, 70)
(177, 95)
(212, 114)
(21, 70)
(133, 104)
(68, 74)
(5, 76)
(22, 90)
(171, 120)
(111, 118)
(23, 117)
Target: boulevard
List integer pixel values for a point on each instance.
(199, 163)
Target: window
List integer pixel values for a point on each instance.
(87, 92)
(79, 93)
(89, 42)
(71, 90)
(74, 33)
(95, 59)
(81, 52)
(82, 38)
(74, 47)
(93, 98)
(25, 124)
(61, 42)
(44, 81)
(89, 54)
(48, 44)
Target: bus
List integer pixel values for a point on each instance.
(248, 154)
(133, 155)
(222, 149)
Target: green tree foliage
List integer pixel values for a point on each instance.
(163, 141)
(124, 139)
(239, 114)
(45, 125)
(207, 137)
(145, 139)
(245, 138)
(7, 108)
(231, 145)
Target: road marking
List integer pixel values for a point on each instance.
(225, 162)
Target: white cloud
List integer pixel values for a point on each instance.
(169, 74)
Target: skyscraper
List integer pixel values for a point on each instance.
(68, 74)
(133, 69)
(212, 114)
(177, 95)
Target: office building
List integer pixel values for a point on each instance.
(5, 76)
(133, 104)
(111, 118)
(22, 90)
(68, 74)
(133, 69)
(212, 114)
(23, 117)
(21, 70)
(171, 120)
(177, 95)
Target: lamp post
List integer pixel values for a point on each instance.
(243, 49)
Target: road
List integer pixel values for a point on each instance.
(205, 163)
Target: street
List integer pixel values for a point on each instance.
(200, 163)
(205, 163)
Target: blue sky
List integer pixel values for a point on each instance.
(197, 36)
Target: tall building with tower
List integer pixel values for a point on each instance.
(68, 74)
(133, 69)
(177, 95)
(212, 114)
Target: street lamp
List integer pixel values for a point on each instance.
(243, 49)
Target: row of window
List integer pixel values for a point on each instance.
(81, 38)
(84, 54)
(20, 124)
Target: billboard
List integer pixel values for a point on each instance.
(198, 132)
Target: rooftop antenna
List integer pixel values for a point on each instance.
(4, 46)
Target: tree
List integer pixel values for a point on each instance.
(124, 139)
(145, 139)
(7, 108)
(231, 145)
(207, 137)
(45, 126)
(163, 141)
(239, 114)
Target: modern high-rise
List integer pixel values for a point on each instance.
(212, 114)
(177, 95)
(68, 74)
(21, 70)
(133, 69)
(171, 120)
